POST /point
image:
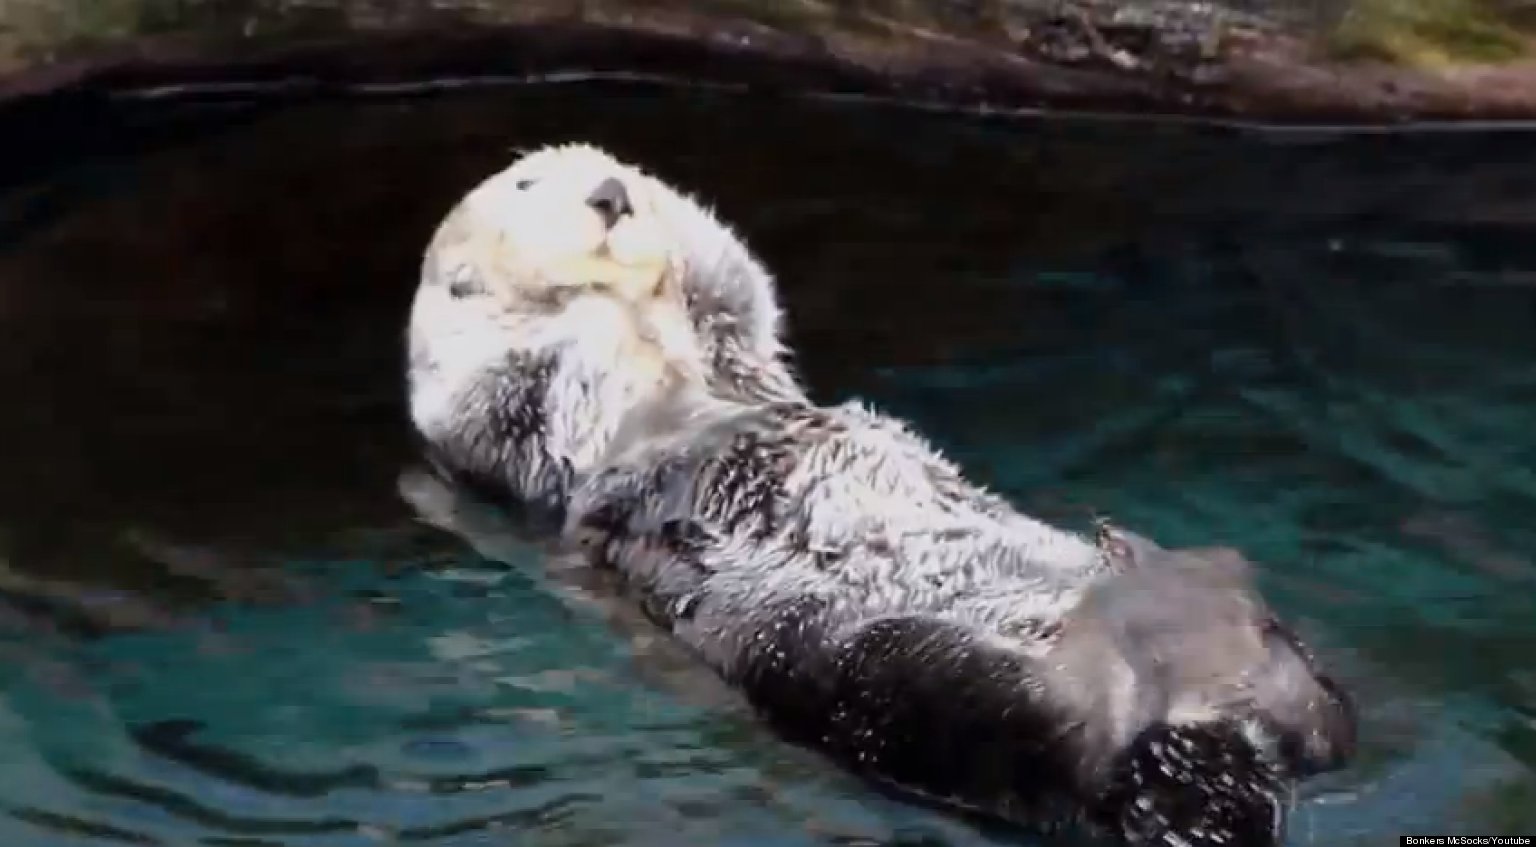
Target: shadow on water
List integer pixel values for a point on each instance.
(221, 624)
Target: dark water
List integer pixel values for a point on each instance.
(221, 624)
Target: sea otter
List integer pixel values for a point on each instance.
(866, 598)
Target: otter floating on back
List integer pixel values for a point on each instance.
(866, 598)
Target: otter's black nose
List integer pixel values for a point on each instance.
(611, 200)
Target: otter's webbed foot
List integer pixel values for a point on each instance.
(1193, 786)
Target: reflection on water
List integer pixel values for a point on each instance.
(222, 625)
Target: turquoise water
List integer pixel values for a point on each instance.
(222, 624)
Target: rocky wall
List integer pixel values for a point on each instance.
(1289, 60)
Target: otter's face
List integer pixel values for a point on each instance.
(564, 220)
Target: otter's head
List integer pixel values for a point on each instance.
(550, 305)
(572, 219)
(556, 224)
(564, 292)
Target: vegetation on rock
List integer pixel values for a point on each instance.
(1325, 58)
(1430, 32)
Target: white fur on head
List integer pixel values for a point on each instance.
(532, 230)
(720, 278)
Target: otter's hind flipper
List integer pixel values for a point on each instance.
(1194, 786)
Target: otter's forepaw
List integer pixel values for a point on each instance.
(1193, 786)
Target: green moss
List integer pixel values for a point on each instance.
(1427, 33)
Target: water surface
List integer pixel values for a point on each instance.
(221, 624)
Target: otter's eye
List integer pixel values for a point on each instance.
(523, 184)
